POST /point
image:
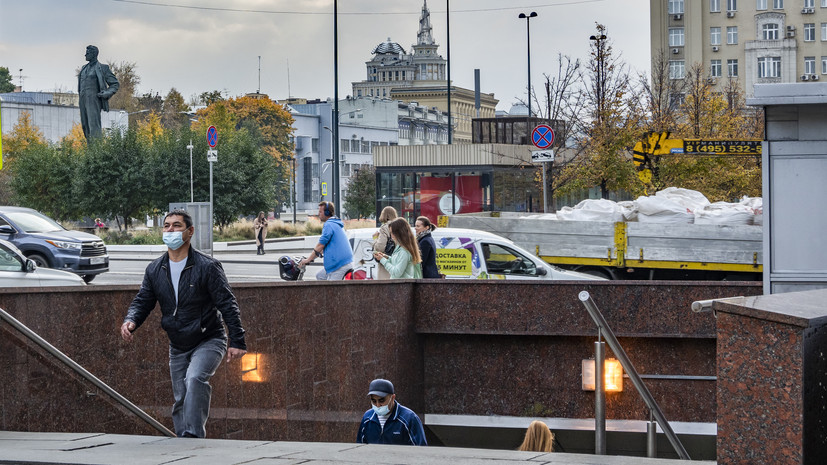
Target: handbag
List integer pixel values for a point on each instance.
(389, 246)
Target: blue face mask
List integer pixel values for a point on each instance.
(173, 240)
(383, 410)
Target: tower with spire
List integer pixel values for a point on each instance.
(421, 76)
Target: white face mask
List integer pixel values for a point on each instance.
(173, 239)
(383, 410)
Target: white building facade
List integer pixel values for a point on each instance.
(753, 41)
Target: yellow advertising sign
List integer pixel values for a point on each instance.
(454, 262)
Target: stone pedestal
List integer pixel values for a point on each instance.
(772, 379)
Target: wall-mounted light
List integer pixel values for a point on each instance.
(613, 374)
(252, 365)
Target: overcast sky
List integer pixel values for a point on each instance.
(202, 45)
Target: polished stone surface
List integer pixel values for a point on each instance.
(772, 379)
(477, 348)
(52, 448)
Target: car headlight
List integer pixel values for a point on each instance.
(65, 245)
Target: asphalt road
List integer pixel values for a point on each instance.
(128, 268)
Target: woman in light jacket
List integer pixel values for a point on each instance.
(388, 214)
(260, 225)
(427, 247)
(405, 262)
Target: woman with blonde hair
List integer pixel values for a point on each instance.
(405, 262)
(382, 241)
(538, 438)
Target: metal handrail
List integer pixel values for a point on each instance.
(34, 337)
(650, 402)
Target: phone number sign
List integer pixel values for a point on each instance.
(732, 147)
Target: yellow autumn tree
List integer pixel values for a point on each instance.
(150, 128)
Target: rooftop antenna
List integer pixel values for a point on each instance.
(21, 79)
(258, 91)
(289, 94)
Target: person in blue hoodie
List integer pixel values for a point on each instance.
(388, 421)
(333, 246)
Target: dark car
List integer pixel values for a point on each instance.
(50, 245)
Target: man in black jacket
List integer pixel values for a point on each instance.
(194, 297)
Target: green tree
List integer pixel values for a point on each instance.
(174, 109)
(211, 97)
(125, 98)
(603, 140)
(244, 179)
(360, 199)
(117, 178)
(5, 80)
(42, 178)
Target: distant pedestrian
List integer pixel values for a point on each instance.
(99, 224)
(196, 302)
(383, 242)
(538, 438)
(388, 421)
(427, 247)
(333, 245)
(405, 262)
(260, 226)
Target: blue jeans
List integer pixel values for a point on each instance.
(335, 275)
(190, 372)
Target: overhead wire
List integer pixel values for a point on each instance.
(355, 13)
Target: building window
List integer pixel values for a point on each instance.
(732, 35)
(809, 65)
(760, 4)
(769, 67)
(809, 3)
(676, 69)
(823, 65)
(715, 35)
(732, 68)
(779, 4)
(731, 5)
(714, 6)
(676, 37)
(715, 68)
(675, 6)
(809, 32)
(314, 145)
(307, 180)
(824, 31)
(769, 31)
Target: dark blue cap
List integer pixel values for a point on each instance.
(380, 387)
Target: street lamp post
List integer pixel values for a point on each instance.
(528, 48)
(599, 89)
(336, 200)
(192, 192)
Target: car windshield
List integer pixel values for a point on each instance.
(34, 222)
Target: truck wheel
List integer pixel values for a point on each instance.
(39, 260)
(87, 278)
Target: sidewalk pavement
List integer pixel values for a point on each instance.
(274, 248)
(105, 449)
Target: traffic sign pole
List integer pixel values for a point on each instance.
(212, 156)
(542, 137)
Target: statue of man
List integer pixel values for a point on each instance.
(96, 84)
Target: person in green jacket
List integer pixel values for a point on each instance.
(405, 262)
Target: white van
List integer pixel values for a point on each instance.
(466, 254)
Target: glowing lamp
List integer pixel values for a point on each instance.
(612, 373)
(251, 367)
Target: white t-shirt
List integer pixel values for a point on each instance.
(383, 419)
(175, 269)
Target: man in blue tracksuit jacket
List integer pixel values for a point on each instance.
(388, 421)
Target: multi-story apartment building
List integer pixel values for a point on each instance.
(755, 41)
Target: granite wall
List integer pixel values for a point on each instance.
(483, 348)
